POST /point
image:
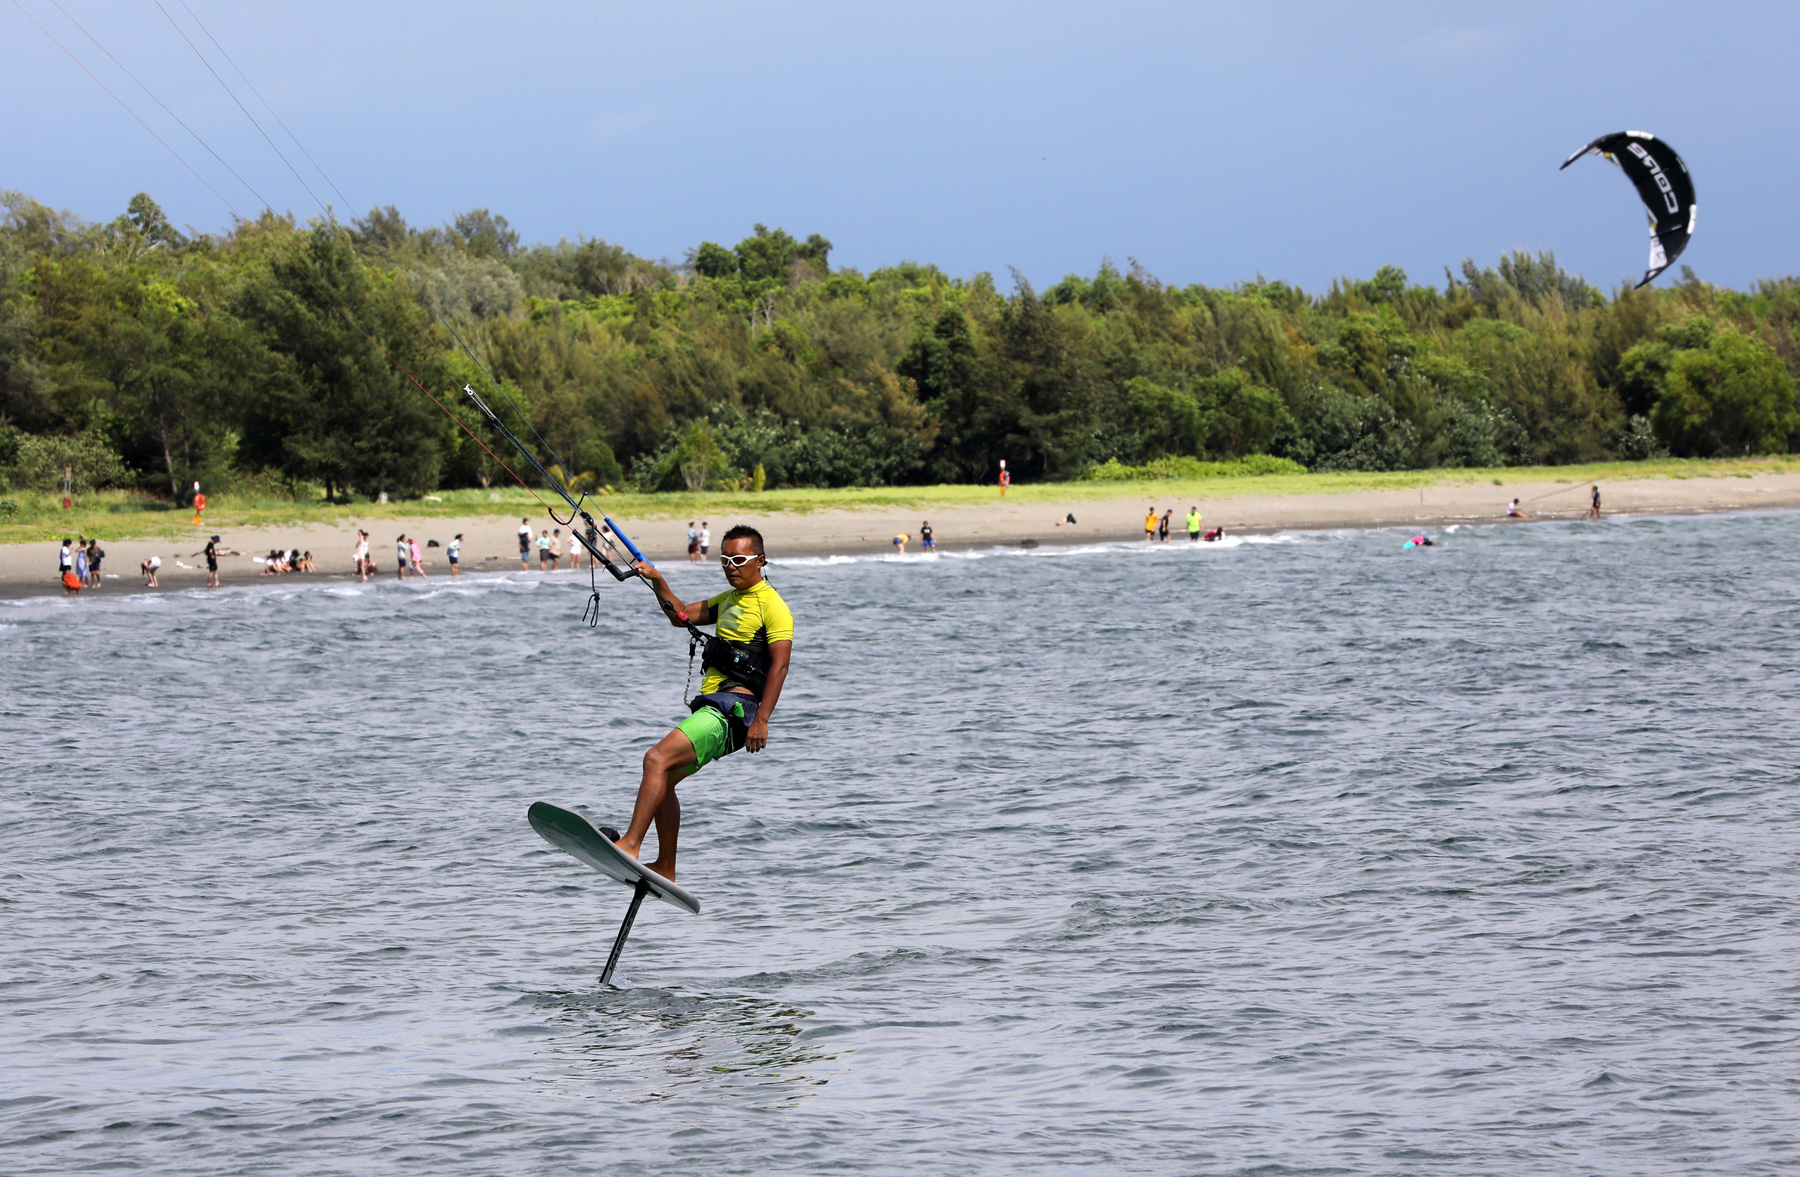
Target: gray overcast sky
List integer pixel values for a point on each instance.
(1211, 142)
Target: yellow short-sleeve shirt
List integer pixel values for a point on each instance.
(756, 615)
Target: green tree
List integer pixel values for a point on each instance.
(332, 407)
(1732, 396)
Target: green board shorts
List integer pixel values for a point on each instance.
(719, 725)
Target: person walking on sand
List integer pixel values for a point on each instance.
(454, 551)
(418, 557)
(1162, 525)
(926, 542)
(1594, 507)
(524, 545)
(1193, 524)
(1150, 518)
(212, 562)
(402, 554)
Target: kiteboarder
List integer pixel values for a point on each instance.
(746, 665)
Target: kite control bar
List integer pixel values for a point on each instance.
(639, 557)
(626, 540)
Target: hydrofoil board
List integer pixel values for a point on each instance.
(574, 834)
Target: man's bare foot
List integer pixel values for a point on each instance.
(665, 869)
(626, 848)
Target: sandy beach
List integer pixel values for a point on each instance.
(490, 543)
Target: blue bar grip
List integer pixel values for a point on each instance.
(626, 540)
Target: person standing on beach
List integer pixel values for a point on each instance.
(574, 551)
(403, 555)
(693, 544)
(360, 554)
(81, 568)
(418, 557)
(926, 543)
(65, 561)
(543, 550)
(1150, 525)
(1005, 478)
(555, 548)
(454, 551)
(95, 555)
(1162, 525)
(524, 545)
(212, 562)
(705, 539)
(1193, 524)
(1594, 507)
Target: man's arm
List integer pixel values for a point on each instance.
(699, 613)
(779, 652)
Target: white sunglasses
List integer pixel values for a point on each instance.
(738, 561)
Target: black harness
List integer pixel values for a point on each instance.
(745, 663)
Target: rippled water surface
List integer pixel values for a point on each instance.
(1291, 856)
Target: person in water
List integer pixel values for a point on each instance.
(756, 626)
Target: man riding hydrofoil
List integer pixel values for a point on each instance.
(746, 665)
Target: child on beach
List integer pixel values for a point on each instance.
(455, 554)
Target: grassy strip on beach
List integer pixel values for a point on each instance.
(27, 517)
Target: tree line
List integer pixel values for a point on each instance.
(276, 355)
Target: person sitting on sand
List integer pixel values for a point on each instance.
(1514, 511)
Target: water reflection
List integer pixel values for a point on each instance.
(662, 1043)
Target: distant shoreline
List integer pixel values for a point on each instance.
(490, 542)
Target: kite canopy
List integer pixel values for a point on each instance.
(1663, 184)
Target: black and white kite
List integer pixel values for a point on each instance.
(1662, 182)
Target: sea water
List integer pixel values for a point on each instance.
(1303, 855)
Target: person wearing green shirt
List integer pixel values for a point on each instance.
(1193, 524)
